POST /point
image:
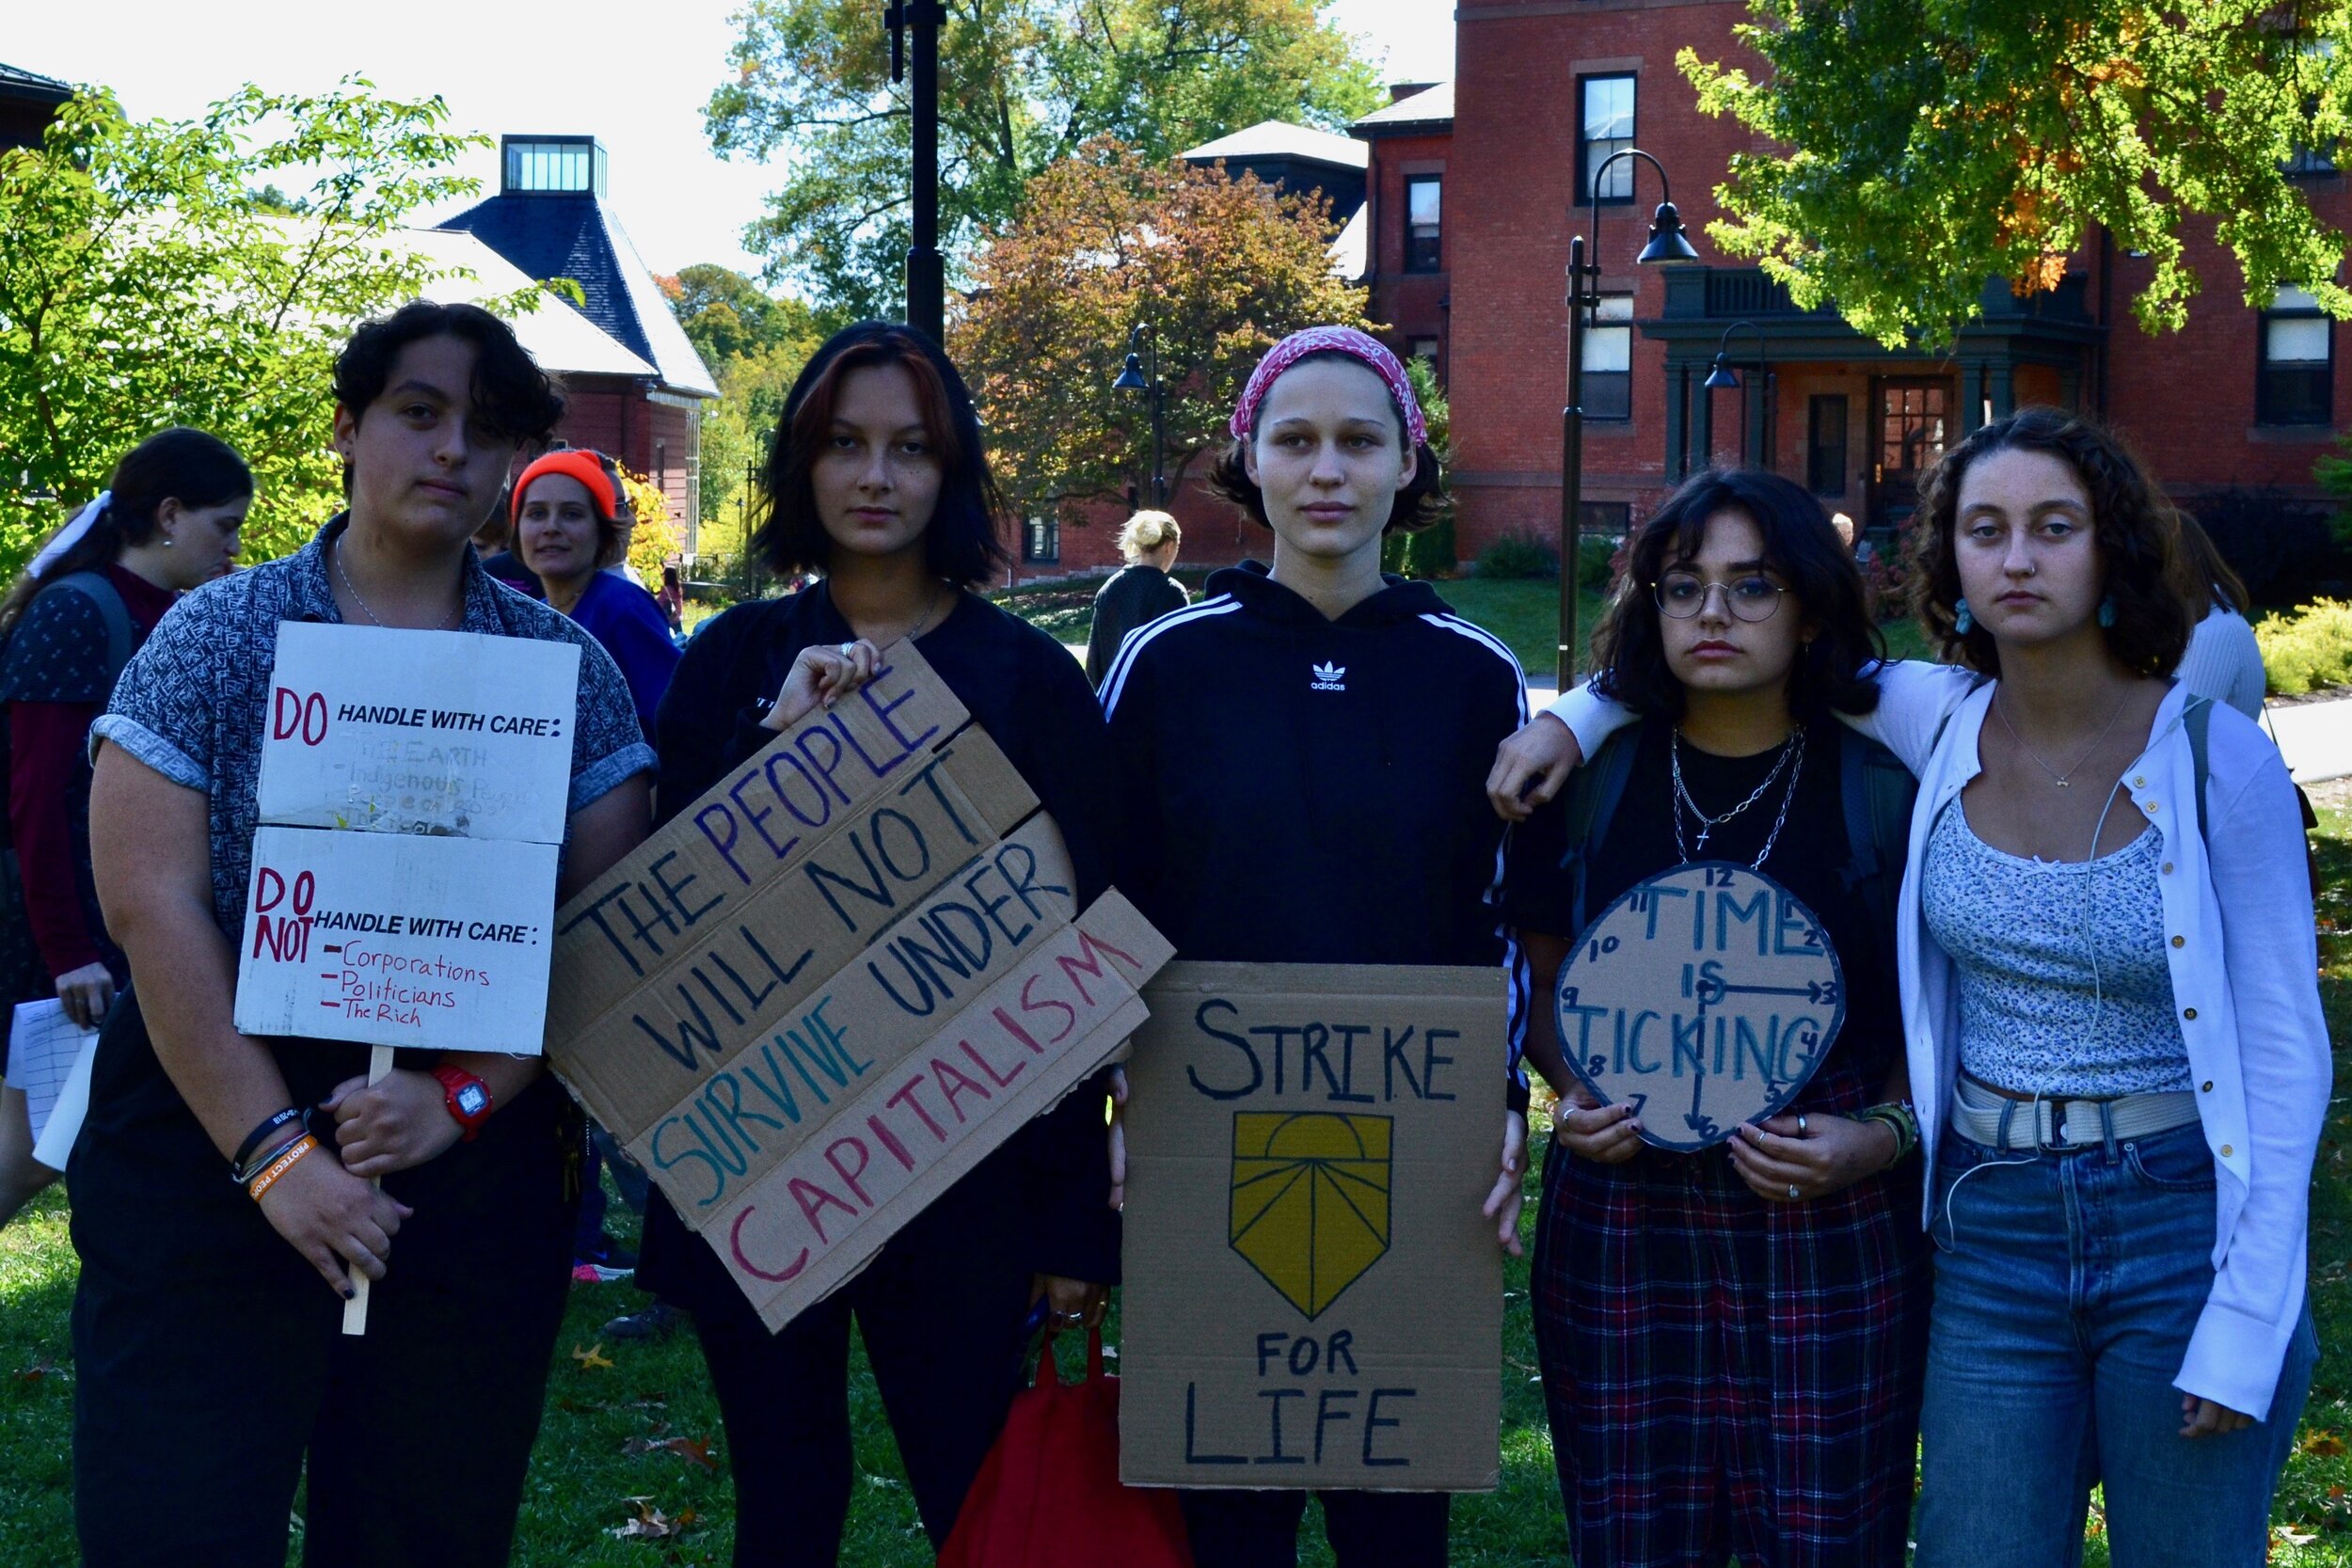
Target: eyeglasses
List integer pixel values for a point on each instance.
(1683, 594)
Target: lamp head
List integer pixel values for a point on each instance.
(1131, 376)
(1723, 377)
(1669, 246)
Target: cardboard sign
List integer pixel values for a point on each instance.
(837, 981)
(413, 791)
(420, 732)
(1313, 1298)
(396, 940)
(1704, 997)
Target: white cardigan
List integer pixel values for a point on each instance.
(2244, 959)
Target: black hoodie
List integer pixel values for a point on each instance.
(1304, 790)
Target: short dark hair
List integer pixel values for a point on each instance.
(2136, 528)
(960, 544)
(512, 396)
(1418, 503)
(1800, 544)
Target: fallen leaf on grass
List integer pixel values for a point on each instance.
(651, 1524)
(2324, 1445)
(2293, 1537)
(37, 1371)
(590, 1358)
(694, 1450)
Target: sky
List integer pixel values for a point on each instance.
(522, 68)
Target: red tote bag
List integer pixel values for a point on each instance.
(1049, 1495)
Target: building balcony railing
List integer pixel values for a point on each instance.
(1735, 293)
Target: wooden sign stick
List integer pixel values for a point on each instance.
(355, 1309)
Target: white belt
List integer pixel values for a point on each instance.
(1983, 1115)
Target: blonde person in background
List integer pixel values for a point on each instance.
(1138, 593)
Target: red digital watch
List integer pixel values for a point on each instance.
(469, 1098)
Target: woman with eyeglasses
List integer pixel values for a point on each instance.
(1732, 1338)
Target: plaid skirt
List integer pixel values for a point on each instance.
(1725, 1376)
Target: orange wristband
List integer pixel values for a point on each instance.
(281, 1163)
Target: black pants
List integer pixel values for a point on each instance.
(210, 1358)
(1367, 1529)
(941, 1310)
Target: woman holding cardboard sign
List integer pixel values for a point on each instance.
(211, 1364)
(1305, 747)
(878, 478)
(1729, 1296)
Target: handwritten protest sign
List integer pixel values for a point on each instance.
(420, 732)
(412, 797)
(1704, 997)
(1313, 1298)
(838, 980)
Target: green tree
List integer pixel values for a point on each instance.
(1023, 85)
(1219, 268)
(152, 273)
(754, 345)
(1930, 144)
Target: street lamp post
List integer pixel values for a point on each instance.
(1668, 245)
(1722, 377)
(927, 270)
(1141, 374)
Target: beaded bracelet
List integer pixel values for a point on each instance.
(1899, 1118)
(285, 1161)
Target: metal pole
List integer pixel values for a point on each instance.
(927, 270)
(1159, 425)
(1572, 461)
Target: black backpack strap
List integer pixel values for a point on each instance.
(2199, 718)
(1588, 807)
(107, 600)
(1877, 793)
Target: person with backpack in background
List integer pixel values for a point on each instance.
(2108, 966)
(1732, 1336)
(168, 522)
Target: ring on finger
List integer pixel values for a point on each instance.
(847, 649)
(1801, 1124)
(1793, 1194)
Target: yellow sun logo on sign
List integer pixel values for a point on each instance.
(1310, 1200)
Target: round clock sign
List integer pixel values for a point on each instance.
(1703, 997)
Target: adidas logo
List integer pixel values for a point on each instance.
(1329, 677)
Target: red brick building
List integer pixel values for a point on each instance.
(1472, 189)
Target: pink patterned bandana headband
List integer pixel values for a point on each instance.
(1328, 339)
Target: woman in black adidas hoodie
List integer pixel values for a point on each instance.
(1308, 750)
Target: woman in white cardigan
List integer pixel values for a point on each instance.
(2112, 1019)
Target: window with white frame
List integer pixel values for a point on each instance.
(2294, 377)
(1604, 126)
(1608, 359)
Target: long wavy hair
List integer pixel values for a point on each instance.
(2137, 530)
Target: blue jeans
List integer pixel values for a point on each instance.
(2066, 1287)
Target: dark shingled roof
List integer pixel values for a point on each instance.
(31, 87)
(551, 235)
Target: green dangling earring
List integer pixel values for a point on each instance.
(2106, 611)
(1963, 622)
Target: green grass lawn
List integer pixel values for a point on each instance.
(614, 1434)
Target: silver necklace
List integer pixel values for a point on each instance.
(369, 610)
(1793, 746)
(2054, 773)
(1791, 763)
